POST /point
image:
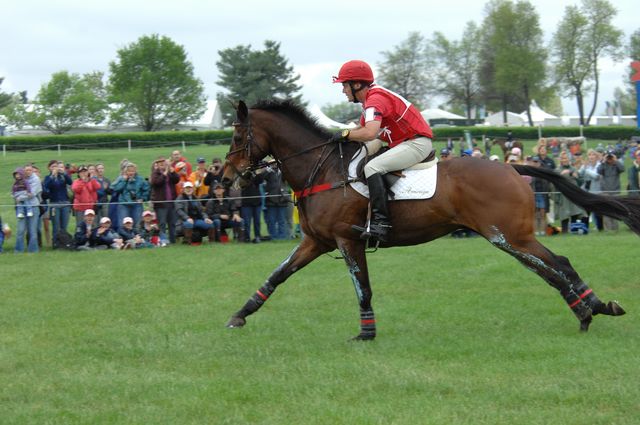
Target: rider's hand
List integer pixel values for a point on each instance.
(341, 136)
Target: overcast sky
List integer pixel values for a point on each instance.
(43, 37)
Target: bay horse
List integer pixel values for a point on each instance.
(505, 150)
(487, 197)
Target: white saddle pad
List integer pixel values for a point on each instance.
(419, 181)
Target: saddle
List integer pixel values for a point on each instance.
(391, 177)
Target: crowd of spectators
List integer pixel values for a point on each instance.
(134, 210)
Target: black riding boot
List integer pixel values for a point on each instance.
(380, 223)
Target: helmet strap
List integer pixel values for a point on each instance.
(354, 91)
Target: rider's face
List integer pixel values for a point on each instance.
(346, 89)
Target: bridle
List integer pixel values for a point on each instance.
(249, 172)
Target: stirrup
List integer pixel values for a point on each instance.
(373, 231)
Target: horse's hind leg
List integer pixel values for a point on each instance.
(303, 254)
(559, 273)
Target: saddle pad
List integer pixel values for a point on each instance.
(417, 183)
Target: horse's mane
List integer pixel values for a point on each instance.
(295, 111)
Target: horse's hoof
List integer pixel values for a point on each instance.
(363, 337)
(236, 322)
(584, 324)
(615, 309)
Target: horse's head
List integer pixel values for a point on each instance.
(245, 152)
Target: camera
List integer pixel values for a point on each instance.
(133, 195)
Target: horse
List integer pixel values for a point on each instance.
(490, 198)
(505, 150)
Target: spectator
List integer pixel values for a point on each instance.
(133, 191)
(129, 235)
(591, 179)
(102, 209)
(177, 157)
(214, 174)
(193, 215)
(610, 170)
(56, 185)
(85, 193)
(149, 230)
(541, 189)
(43, 208)
(445, 154)
(565, 210)
(84, 236)
(21, 193)
(201, 189)
(163, 194)
(29, 225)
(251, 207)
(276, 200)
(634, 170)
(224, 215)
(181, 169)
(545, 160)
(5, 233)
(494, 158)
(105, 236)
(515, 156)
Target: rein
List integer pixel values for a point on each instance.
(308, 188)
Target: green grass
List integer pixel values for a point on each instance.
(465, 335)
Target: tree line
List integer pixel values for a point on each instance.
(501, 63)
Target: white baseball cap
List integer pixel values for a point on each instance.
(127, 220)
(89, 212)
(105, 220)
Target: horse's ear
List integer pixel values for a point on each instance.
(242, 112)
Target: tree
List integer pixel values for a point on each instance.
(154, 84)
(5, 98)
(253, 75)
(585, 36)
(604, 40)
(67, 101)
(407, 70)
(513, 56)
(627, 96)
(458, 67)
(344, 112)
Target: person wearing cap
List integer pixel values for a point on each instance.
(192, 214)
(149, 229)
(131, 236)
(133, 191)
(84, 235)
(201, 189)
(56, 186)
(224, 214)
(445, 154)
(386, 118)
(106, 237)
(176, 157)
(610, 169)
(163, 182)
(85, 193)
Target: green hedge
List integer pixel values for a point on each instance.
(115, 140)
(531, 133)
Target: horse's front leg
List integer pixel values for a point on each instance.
(355, 257)
(303, 254)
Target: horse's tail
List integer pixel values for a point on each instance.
(621, 208)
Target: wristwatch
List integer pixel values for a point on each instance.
(345, 133)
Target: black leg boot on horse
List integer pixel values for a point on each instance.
(379, 224)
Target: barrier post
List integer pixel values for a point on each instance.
(129, 145)
(4, 150)
(184, 146)
(581, 132)
(59, 150)
(539, 132)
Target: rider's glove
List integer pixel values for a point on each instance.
(341, 136)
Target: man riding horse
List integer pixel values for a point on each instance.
(386, 117)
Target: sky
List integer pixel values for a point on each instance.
(44, 37)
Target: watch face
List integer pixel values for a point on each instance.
(345, 133)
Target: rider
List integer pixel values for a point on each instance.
(386, 117)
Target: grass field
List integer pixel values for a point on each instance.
(465, 336)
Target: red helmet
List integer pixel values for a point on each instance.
(354, 71)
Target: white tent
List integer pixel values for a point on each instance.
(513, 119)
(435, 113)
(537, 114)
(210, 119)
(317, 114)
